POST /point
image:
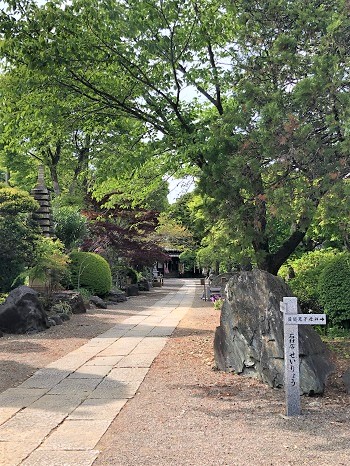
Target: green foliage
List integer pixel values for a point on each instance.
(19, 235)
(331, 225)
(50, 264)
(334, 286)
(338, 333)
(14, 201)
(122, 274)
(70, 225)
(189, 259)
(86, 294)
(307, 270)
(266, 131)
(90, 271)
(61, 307)
(218, 303)
(172, 235)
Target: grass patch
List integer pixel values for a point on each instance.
(338, 341)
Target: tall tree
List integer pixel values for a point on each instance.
(266, 126)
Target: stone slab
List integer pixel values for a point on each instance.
(98, 409)
(134, 320)
(149, 345)
(41, 457)
(59, 403)
(70, 362)
(45, 378)
(114, 389)
(162, 331)
(73, 386)
(24, 427)
(127, 375)
(12, 453)
(7, 413)
(141, 330)
(138, 360)
(20, 397)
(90, 372)
(104, 361)
(121, 347)
(68, 435)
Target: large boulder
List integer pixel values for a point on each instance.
(73, 298)
(22, 312)
(249, 340)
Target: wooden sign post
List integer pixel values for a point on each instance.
(292, 319)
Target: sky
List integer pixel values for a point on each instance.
(179, 187)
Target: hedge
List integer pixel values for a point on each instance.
(90, 271)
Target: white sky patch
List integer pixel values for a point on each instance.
(179, 187)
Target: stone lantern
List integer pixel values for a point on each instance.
(43, 214)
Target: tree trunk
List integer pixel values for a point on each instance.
(82, 162)
(273, 262)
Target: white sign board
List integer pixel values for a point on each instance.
(292, 319)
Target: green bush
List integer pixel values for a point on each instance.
(334, 290)
(19, 235)
(307, 270)
(50, 264)
(90, 271)
(121, 274)
(189, 259)
(70, 225)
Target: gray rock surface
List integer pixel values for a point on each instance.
(116, 296)
(144, 285)
(57, 319)
(249, 340)
(132, 290)
(73, 298)
(22, 312)
(98, 302)
(346, 380)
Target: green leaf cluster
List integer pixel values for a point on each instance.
(104, 102)
(303, 275)
(334, 285)
(70, 225)
(91, 271)
(50, 264)
(19, 235)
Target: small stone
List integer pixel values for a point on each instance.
(98, 302)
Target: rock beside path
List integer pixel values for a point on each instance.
(250, 341)
(73, 298)
(22, 312)
(98, 302)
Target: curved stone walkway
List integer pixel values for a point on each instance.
(57, 416)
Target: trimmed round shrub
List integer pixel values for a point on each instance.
(90, 271)
(307, 270)
(334, 290)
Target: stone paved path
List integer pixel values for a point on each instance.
(57, 416)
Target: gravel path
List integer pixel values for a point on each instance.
(185, 412)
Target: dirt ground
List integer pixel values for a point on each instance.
(186, 412)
